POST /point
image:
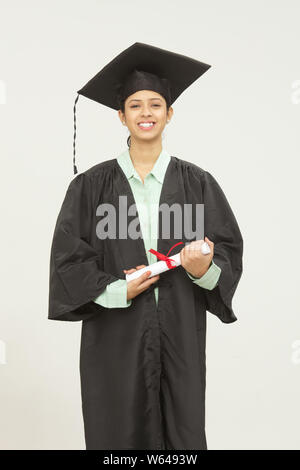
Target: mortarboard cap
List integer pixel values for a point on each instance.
(140, 67)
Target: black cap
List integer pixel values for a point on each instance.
(140, 67)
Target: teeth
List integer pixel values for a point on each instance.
(146, 124)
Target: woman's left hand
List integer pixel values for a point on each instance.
(193, 260)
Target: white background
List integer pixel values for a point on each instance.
(240, 121)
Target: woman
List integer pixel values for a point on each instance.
(142, 356)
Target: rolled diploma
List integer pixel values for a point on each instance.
(161, 266)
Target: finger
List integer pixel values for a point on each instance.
(147, 283)
(147, 280)
(211, 246)
(209, 241)
(141, 266)
(129, 271)
(190, 246)
(143, 277)
(137, 281)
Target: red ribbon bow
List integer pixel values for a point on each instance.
(165, 258)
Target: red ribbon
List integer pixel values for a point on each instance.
(165, 258)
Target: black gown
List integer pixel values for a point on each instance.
(142, 368)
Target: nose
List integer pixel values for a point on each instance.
(146, 111)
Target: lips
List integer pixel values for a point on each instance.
(147, 127)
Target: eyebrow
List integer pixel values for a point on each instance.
(149, 98)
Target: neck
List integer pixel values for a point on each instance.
(144, 154)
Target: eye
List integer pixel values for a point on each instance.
(136, 105)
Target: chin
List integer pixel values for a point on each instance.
(146, 135)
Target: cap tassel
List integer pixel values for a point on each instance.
(74, 138)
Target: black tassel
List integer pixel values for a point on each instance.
(74, 138)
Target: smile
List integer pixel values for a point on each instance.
(145, 126)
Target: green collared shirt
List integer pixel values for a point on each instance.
(147, 197)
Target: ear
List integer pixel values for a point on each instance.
(121, 116)
(170, 112)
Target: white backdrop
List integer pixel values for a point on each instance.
(240, 121)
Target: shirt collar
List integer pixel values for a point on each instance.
(158, 169)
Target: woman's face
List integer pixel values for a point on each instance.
(145, 106)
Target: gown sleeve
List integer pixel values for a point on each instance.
(75, 277)
(221, 227)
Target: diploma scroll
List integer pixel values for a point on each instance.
(161, 266)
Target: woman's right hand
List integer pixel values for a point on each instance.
(136, 286)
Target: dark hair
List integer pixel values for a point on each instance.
(122, 108)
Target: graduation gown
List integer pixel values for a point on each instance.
(142, 368)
